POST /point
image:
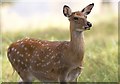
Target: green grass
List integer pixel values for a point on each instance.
(101, 51)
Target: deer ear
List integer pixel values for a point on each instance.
(88, 9)
(67, 11)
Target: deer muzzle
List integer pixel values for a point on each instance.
(88, 26)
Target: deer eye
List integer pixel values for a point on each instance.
(75, 18)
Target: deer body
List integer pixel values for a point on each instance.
(52, 61)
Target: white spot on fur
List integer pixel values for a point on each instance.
(12, 49)
(42, 44)
(42, 60)
(26, 60)
(32, 46)
(18, 60)
(22, 63)
(58, 62)
(47, 55)
(14, 60)
(28, 55)
(37, 54)
(37, 64)
(21, 55)
(30, 67)
(18, 52)
(50, 53)
(25, 48)
(22, 45)
(47, 47)
(48, 63)
(49, 50)
(15, 50)
(25, 65)
(52, 57)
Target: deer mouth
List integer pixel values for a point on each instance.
(87, 28)
(83, 28)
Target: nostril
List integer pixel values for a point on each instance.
(89, 24)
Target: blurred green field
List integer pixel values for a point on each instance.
(101, 50)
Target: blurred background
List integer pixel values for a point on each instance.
(44, 19)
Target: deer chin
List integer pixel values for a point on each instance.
(80, 30)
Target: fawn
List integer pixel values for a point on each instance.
(57, 61)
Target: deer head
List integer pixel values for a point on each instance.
(79, 18)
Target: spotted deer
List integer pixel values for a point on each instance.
(52, 61)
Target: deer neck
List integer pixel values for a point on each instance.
(77, 41)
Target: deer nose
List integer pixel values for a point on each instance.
(89, 24)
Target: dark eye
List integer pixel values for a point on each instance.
(75, 18)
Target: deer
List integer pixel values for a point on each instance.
(52, 61)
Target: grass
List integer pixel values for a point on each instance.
(101, 46)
